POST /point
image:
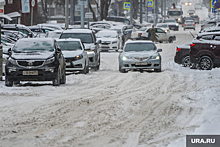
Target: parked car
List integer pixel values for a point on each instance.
(198, 5)
(205, 50)
(211, 29)
(195, 18)
(75, 55)
(14, 35)
(17, 27)
(173, 25)
(182, 55)
(139, 55)
(142, 34)
(88, 38)
(109, 39)
(40, 31)
(207, 24)
(191, 12)
(189, 24)
(35, 59)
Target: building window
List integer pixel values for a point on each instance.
(10, 1)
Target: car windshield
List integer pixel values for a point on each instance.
(189, 21)
(175, 13)
(53, 35)
(142, 29)
(169, 20)
(70, 45)
(162, 26)
(106, 34)
(137, 47)
(32, 45)
(84, 37)
(191, 11)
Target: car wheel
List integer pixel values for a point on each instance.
(122, 70)
(84, 71)
(170, 40)
(8, 82)
(63, 78)
(205, 63)
(186, 61)
(87, 69)
(157, 70)
(16, 82)
(56, 81)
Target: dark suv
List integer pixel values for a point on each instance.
(205, 51)
(35, 59)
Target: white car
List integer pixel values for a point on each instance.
(110, 40)
(163, 26)
(75, 55)
(142, 33)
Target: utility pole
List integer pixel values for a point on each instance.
(131, 12)
(71, 12)
(66, 14)
(141, 12)
(82, 15)
(154, 13)
(165, 9)
(88, 11)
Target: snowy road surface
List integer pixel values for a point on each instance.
(111, 109)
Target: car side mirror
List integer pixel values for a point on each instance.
(159, 50)
(9, 52)
(120, 50)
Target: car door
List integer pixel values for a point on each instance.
(161, 33)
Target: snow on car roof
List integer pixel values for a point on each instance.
(208, 33)
(69, 39)
(138, 41)
(78, 31)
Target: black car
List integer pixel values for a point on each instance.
(35, 59)
(182, 55)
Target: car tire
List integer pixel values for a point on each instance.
(8, 82)
(84, 71)
(170, 40)
(122, 70)
(157, 70)
(16, 82)
(63, 78)
(205, 63)
(186, 61)
(56, 81)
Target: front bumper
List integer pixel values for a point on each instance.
(108, 47)
(135, 64)
(44, 73)
(92, 59)
(77, 65)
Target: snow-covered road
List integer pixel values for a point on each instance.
(111, 109)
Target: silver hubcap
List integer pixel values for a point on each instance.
(205, 63)
(186, 62)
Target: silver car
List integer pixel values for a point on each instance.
(189, 24)
(139, 55)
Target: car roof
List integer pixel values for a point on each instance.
(138, 41)
(37, 39)
(77, 31)
(208, 33)
(69, 39)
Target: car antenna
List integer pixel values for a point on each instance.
(192, 34)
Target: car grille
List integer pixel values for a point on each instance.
(30, 63)
(70, 59)
(105, 43)
(141, 58)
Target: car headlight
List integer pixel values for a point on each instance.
(179, 19)
(12, 61)
(125, 58)
(78, 57)
(166, 31)
(50, 60)
(155, 57)
(114, 42)
(188, 14)
(177, 24)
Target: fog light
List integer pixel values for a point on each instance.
(50, 69)
(11, 70)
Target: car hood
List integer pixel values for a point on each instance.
(140, 54)
(89, 46)
(70, 54)
(32, 56)
(107, 39)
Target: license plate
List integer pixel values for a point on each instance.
(30, 72)
(141, 63)
(68, 64)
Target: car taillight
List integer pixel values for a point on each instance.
(192, 44)
(140, 34)
(178, 49)
(197, 17)
(184, 24)
(193, 24)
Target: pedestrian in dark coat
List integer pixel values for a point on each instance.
(153, 34)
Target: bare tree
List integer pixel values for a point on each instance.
(104, 7)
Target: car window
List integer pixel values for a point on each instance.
(70, 45)
(142, 29)
(23, 31)
(137, 47)
(207, 37)
(217, 38)
(85, 37)
(32, 45)
(160, 31)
